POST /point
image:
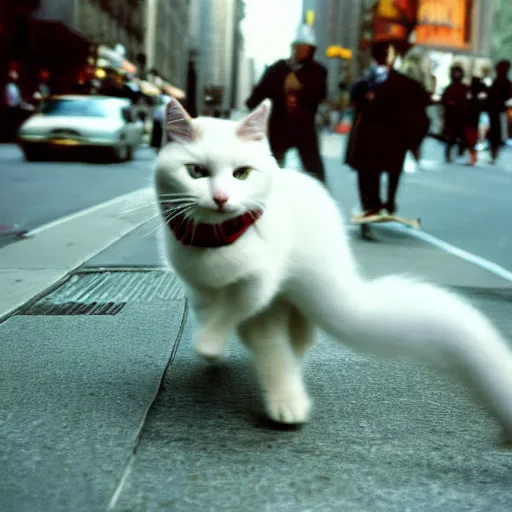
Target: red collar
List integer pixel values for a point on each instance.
(212, 235)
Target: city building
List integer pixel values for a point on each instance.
(339, 23)
(213, 32)
(107, 23)
(445, 31)
(239, 61)
(15, 39)
(79, 41)
(448, 32)
(167, 40)
(66, 37)
(501, 40)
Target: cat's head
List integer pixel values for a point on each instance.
(214, 168)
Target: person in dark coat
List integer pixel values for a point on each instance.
(296, 87)
(454, 101)
(498, 94)
(390, 119)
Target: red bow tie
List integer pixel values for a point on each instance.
(212, 235)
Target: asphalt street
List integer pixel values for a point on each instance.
(35, 193)
(468, 207)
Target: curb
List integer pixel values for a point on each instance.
(33, 265)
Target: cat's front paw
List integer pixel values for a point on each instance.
(289, 409)
(209, 348)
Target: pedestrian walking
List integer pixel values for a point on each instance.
(390, 119)
(43, 90)
(13, 109)
(454, 101)
(499, 93)
(475, 105)
(296, 86)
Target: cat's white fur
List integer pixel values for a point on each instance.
(293, 271)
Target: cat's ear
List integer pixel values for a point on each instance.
(254, 126)
(178, 124)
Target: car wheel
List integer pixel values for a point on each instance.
(129, 156)
(120, 154)
(32, 154)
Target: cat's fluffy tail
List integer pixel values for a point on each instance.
(395, 316)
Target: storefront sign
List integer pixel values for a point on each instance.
(394, 19)
(397, 10)
(442, 23)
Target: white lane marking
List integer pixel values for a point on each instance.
(461, 253)
(85, 211)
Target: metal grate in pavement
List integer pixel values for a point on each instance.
(74, 308)
(106, 293)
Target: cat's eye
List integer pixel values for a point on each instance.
(197, 171)
(242, 173)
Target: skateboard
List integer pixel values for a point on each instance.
(381, 218)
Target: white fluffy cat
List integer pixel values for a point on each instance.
(263, 251)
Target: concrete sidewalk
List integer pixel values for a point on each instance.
(87, 426)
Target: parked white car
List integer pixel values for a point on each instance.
(82, 123)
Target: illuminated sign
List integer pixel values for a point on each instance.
(442, 23)
(398, 10)
(393, 19)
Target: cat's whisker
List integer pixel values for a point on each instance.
(190, 200)
(185, 196)
(167, 217)
(149, 233)
(178, 206)
(185, 219)
(222, 231)
(150, 219)
(193, 231)
(185, 216)
(177, 212)
(154, 216)
(176, 200)
(136, 208)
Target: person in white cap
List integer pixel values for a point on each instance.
(296, 87)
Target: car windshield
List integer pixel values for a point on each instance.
(80, 108)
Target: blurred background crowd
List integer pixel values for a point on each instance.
(210, 53)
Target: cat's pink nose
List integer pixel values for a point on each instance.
(220, 199)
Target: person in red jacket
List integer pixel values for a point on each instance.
(296, 87)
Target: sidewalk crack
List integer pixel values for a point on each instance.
(131, 459)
